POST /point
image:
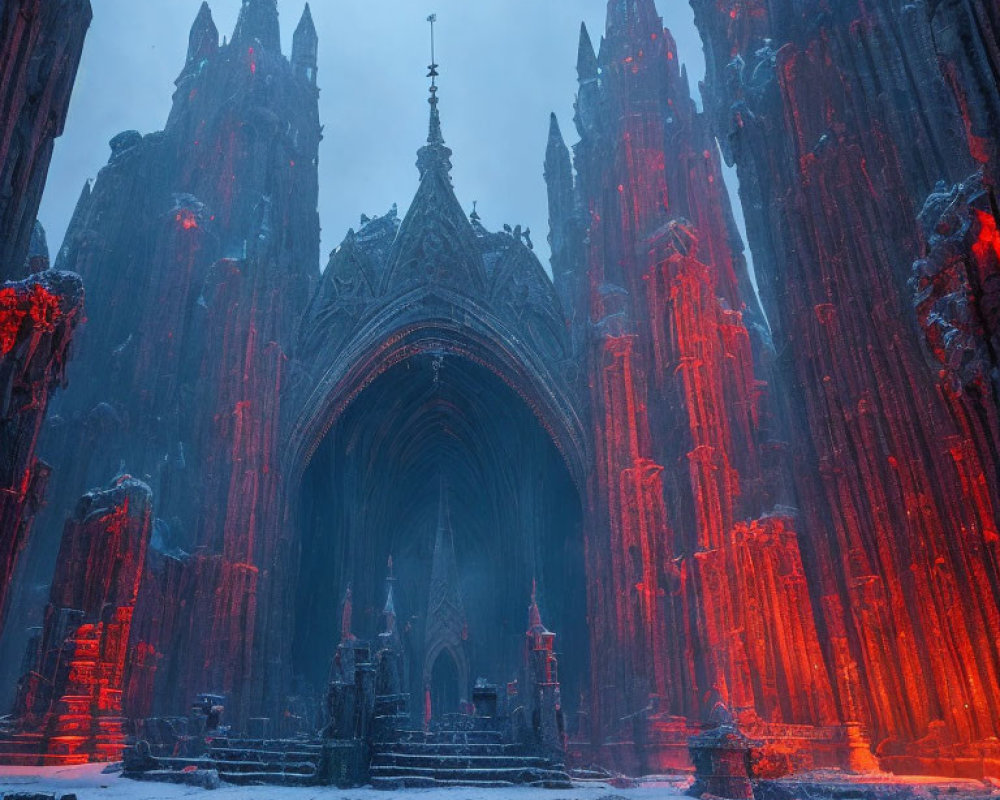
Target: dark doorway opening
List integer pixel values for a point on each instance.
(373, 489)
(446, 689)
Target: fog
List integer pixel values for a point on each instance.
(505, 64)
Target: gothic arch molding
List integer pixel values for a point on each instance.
(449, 325)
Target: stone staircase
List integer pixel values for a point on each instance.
(27, 750)
(248, 762)
(476, 758)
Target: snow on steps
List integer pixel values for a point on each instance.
(419, 760)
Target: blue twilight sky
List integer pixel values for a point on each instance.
(505, 64)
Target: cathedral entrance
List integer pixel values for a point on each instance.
(443, 468)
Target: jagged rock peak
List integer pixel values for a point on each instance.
(586, 60)
(556, 139)
(557, 159)
(633, 18)
(258, 22)
(204, 38)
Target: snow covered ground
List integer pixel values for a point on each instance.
(88, 783)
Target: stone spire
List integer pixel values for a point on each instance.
(204, 38)
(305, 48)
(389, 612)
(535, 625)
(445, 610)
(258, 22)
(558, 165)
(346, 635)
(435, 155)
(587, 72)
(559, 181)
(586, 59)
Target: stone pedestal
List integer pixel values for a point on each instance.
(485, 699)
(721, 760)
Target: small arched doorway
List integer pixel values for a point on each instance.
(446, 687)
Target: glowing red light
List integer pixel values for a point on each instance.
(187, 220)
(989, 237)
(11, 317)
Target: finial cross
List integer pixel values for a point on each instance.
(433, 69)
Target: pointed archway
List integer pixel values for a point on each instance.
(463, 568)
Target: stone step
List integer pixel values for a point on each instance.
(522, 775)
(459, 761)
(398, 784)
(23, 743)
(307, 768)
(450, 737)
(267, 778)
(268, 745)
(443, 748)
(10, 759)
(240, 754)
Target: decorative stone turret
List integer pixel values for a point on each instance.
(305, 48)
(541, 693)
(391, 701)
(351, 693)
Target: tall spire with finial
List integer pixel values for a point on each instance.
(434, 136)
(435, 155)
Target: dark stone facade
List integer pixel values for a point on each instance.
(40, 47)
(41, 42)
(783, 507)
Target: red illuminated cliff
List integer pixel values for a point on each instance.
(865, 139)
(705, 597)
(197, 244)
(69, 708)
(37, 320)
(40, 48)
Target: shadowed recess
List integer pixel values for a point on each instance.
(373, 490)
